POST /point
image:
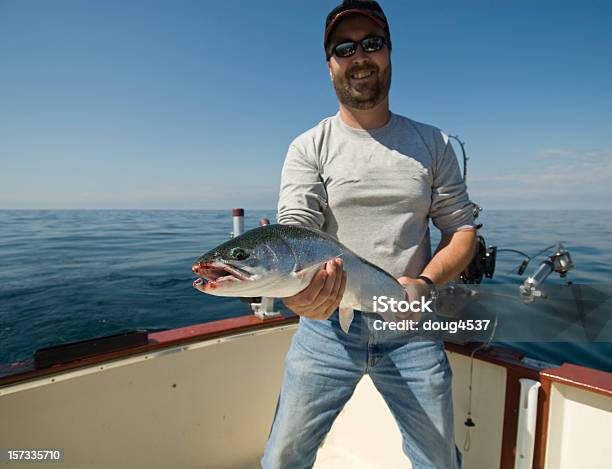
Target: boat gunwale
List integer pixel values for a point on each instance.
(590, 379)
(25, 370)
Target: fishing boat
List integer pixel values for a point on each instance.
(204, 396)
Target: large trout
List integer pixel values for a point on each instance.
(280, 260)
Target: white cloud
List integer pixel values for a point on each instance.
(554, 177)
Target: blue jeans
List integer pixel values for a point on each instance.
(323, 367)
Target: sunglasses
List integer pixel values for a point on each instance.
(368, 44)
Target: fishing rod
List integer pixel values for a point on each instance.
(484, 260)
(465, 157)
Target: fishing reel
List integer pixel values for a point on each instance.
(482, 264)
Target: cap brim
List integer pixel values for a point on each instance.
(344, 14)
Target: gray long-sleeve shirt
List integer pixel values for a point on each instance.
(375, 190)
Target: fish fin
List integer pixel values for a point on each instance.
(308, 272)
(346, 318)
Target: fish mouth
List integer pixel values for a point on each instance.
(214, 274)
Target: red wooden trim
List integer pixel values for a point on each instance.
(596, 381)
(212, 329)
(25, 370)
(511, 404)
(541, 436)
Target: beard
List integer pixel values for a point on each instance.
(364, 95)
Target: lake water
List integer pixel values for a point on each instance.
(67, 275)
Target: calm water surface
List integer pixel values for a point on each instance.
(68, 275)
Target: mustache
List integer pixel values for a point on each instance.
(361, 67)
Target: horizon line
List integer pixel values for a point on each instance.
(267, 209)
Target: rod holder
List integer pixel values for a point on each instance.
(525, 431)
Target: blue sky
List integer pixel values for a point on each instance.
(192, 104)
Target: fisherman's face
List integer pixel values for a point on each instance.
(360, 93)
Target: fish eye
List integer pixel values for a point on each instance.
(238, 254)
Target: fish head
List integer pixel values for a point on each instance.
(245, 265)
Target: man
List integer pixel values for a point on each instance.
(372, 179)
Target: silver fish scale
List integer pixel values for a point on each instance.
(364, 279)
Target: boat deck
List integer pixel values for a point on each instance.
(204, 396)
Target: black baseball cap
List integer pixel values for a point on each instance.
(368, 8)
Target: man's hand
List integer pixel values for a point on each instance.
(415, 289)
(411, 281)
(321, 298)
